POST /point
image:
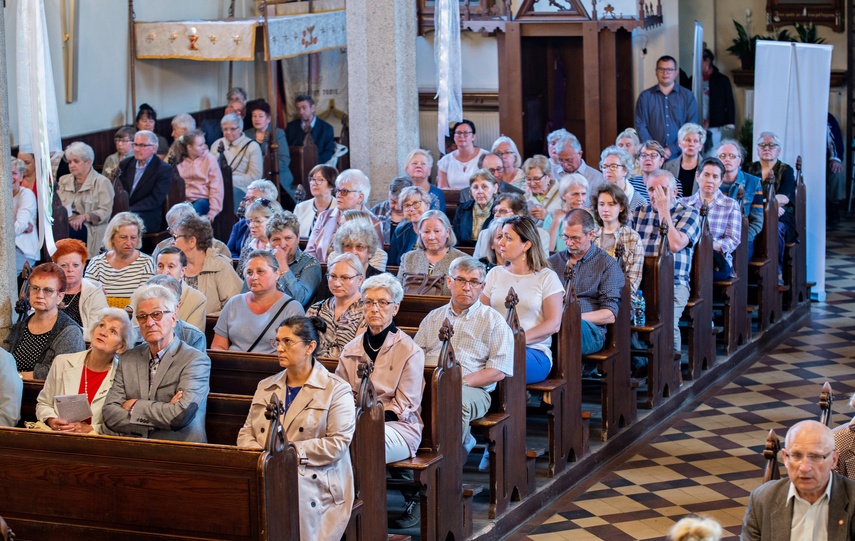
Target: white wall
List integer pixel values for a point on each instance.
(480, 63)
(103, 98)
(659, 41)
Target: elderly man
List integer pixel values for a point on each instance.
(731, 155)
(813, 502)
(236, 99)
(492, 163)
(683, 231)
(186, 332)
(596, 275)
(322, 132)
(161, 387)
(568, 155)
(146, 178)
(11, 390)
(664, 107)
(191, 302)
(724, 217)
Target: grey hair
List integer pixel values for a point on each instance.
(736, 144)
(419, 152)
(149, 135)
(153, 291)
(184, 120)
(691, 128)
(178, 211)
(238, 92)
(467, 263)
(348, 259)
(168, 282)
(384, 281)
(624, 157)
(505, 139)
(437, 215)
(80, 150)
(258, 209)
(491, 231)
(120, 220)
(355, 232)
(571, 140)
(411, 192)
(128, 333)
(771, 134)
(629, 133)
(580, 217)
(557, 135)
(567, 181)
(398, 184)
(232, 119)
(662, 173)
(267, 188)
(358, 179)
(280, 221)
(695, 529)
(814, 426)
(19, 165)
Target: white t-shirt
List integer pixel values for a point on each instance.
(531, 290)
(484, 241)
(456, 172)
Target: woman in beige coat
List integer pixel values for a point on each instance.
(320, 418)
(88, 197)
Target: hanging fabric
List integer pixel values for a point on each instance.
(449, 81)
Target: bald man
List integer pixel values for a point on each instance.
(814, 503)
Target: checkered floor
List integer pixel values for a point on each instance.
(708, 462)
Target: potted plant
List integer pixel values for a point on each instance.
(743, 47)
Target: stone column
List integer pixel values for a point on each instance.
(8, 285)
(383, 96)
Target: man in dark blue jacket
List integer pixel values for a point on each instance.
(146, 178)
(322, 133)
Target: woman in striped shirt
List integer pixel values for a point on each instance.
(123, 268)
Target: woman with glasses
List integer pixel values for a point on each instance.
(573, 194)
(321, 186)
(248, 321)
(455, 168)
(47, 331)
(203, 179)
(83, 298)
(769, 150)
(343, 312)
(242, 154)
(541, 191)
(435, 249)
(89, 371)
(301, 273)
(398, 374)
(323, 420)
(505, 148)
(538, 287)
(616, 165)
(690, 138)
(124, 140)
(414, 202)
(475, 215)
(418, 167)
(506, 206)
(207, 270)
(257, 214)
(651, 156)
(124, 267)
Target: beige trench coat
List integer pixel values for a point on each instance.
(95, 198)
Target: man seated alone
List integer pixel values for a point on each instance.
(161, 387)
(813, 503)
(596, 276)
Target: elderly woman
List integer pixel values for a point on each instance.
(343, 312)
(492, 257)
(321, 408)
(88, 194)
(435, 250)
(455, 168)
(769, 150)
(173, 216)
(207, 270)
(123, 268)
(124, 140)
(611, 213)
(261, 308)
(398, 375)
(88, 372)
(628, 140)
(353, 190)
(321, 186)
(262, 133)
(573, 194)
(414, 201)
(26, 214)
(257, 215)
(389, 211)
(359, 239)
(379, 258)
(203, 179)
(616, 165)
(146, 120)
(47, 331)
(242, 154)
(651, 156)
(418, 167)
(541, 189)
(258, 189)
(181, 124)
(690, 138)
(539, 288)
(505, 148)
(84, 298)
(301, 273)
(475, 215)
(507, 205)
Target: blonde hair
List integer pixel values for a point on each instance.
(695, 529)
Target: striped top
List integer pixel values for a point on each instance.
(120, 282)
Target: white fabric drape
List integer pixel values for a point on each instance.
(791, 84)
(449, 81)
(38, 119)
(697, 76)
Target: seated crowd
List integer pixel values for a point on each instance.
(533, 224)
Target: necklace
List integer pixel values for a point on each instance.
(86, 376)
(72, 299)
(371, 348)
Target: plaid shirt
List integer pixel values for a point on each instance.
(633, 254)
(645, 221)
(724, 218)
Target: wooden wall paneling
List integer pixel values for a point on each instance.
(625, 104)
(608, 91)
(510, 83)
(591, 78)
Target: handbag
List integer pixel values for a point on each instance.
(269, 323)
(423, 284)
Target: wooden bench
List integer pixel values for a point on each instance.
(763, 268)
(303, 159)
(729, 296)
(452, 201)
(795, 253)
(698, 314)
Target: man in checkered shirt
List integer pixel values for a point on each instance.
(683, 232)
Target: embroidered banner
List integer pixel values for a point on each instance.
(303, 34)
(197, 40)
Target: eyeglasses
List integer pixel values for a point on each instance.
(650, 156)
(724, 156)
(157, 315)
(48, 291)
(256, 221)
(532, 180)
(574, 240)
(496, 170)
(121, 140)
(462, 133)
(143, 145)
(503, 154)
(316, 180)
(816, 460)
(343, 279)
(176, 236)
(287, 343)
(666, 70)
(410, 206)
(378, 304)
(612, 167)
(502, 211)
(462, 282)
(357, 247)
(344, 192)
(766, 145)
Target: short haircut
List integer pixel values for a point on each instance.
(667, 175)
(66, 247)
(443, 219)
(19, 165)
(557, 135)
(359, 180)
(150, 136)
(148, 111)
(184, 121)
(327, 171)
(263, 207)
(80, 150)
(126, 131)
(173, 250)
(740, 150)
(268, 258)
(528, 231)
(814, 426)
(358, 215)
(50, 270)
(413, 192)
(467, 263)
(713, 161)
(481, 158)
(262, 106)
(197, 227)
(355, 232)
(232, 119)
(617, 195)
(516, 201)
(236, 92)
(491, 231)
(268, 189)
(691, 128)
(384, 281)
(771, 134)
(483, 174)
(280, 221)
(419, 152)
(154, 291)
(178, 211)
(628, 133)
(567, 181)
(120, 220)
(168, 282)
(580, 217)
(398, 184)
(513, 147)
(623, 156)
(348, 259)
(304, 97)
(461, 123)
(128, 334)
(570, 140)
(654, 146)
(539, 161)
(666, 58)
(695, 528)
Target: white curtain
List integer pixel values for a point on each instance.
(791, 83)
(697, 76)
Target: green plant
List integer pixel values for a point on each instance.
(807, 33)
(743, 44)
(746, 134)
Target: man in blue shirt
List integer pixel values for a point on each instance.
(662, 109)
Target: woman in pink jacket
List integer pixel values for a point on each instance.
(203, 180)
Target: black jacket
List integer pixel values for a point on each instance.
(147, 199)
(462, 225)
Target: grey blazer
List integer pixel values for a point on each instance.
(768, 517)
(181, 368)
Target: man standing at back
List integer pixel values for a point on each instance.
(322, 132)
(662, 109)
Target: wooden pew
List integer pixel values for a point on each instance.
(826, 399)
(770, 453)
(452, 201)
(795, 254)
(729, 296)
(303, 158)
(763, 268)
(698, 313)
(414, 308)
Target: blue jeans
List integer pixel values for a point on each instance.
(202, 206)
(592, 339)
(537, 365)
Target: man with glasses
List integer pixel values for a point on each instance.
(812, 502)
(494, 164)
(161, 387)
(568, 156)
(663, 108)
(731, 154)
(146, 178)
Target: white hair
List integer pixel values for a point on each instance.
(384, 281)
(359, 180)
(154, 291)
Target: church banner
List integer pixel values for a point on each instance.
(303, 34)
(197, 40)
